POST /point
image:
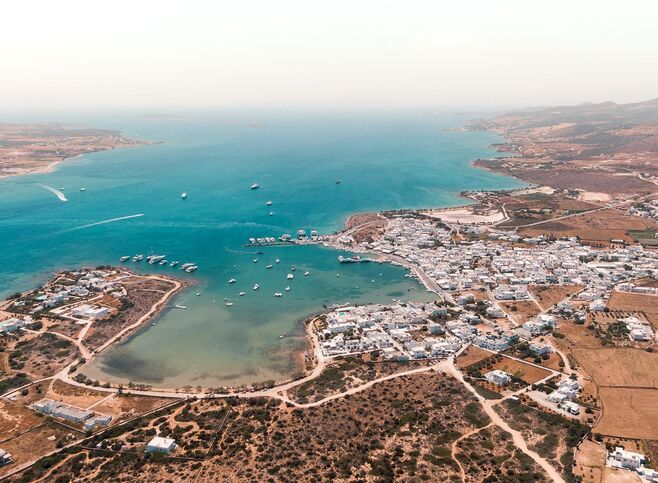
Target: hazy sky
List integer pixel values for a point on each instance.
(306, 53)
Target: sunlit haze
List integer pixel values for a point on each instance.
(73, 54)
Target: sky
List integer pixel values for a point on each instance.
(82, 54)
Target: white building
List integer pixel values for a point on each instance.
(161, 445)
(627, 459)
(498, 377)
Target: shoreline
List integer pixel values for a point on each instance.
(311, 345)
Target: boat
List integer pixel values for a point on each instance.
(278, 294)
(138, 258)
(242, 294)
(191, 269)
(269, 203)
(83, 189)
(306, 274)
(174, 263)
(290, 276)
(281, 336)
(179, 306)
(229, 304)
(256, 286)
(338, 181)
(124, 258)
(232, 280)
(277, 260)
(254, 186)
(293, 268)
(287, 289)
(338, 274)
(163, 262)
(270, 266)
(183, 195)
(198, 293)
(271, 213)
(255, 260)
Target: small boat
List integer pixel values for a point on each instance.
(242, 294)
(256, 286)
(277, 260)
(163, 262)
(338, 181)
(83, 189)
(306, 274)
(271, 213)
(179, 306)
(198, 293)
(232, 280)
(338, 274)
(270, 266)
(255, 260)
(138, 258)
(278, 294)
(183, 195)
(290, 276)
(124, 258)
(174, 263)
(254, 186)
(293, 268)
(281, 336)
(229, 304)
(269, 203)
(287, 289)
(191, 269)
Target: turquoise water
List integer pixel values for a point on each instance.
(385, 161)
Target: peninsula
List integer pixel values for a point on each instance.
(37, 148)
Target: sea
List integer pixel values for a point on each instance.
(384, 160)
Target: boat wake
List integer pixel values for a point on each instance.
(111, 220)
(54, 191)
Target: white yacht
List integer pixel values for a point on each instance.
(232, 280)
(255, 260)
(270, 266)
(287, 289)
(191, 269)
(83, 189)
(179, 306)
(269, 203)
(306, 274)
(256, 286)
(290, 276)
(277, 260)
(242, 294)
(254, 186)
(229, 304)
(271, 213)
(174, 263)
(138, 258)
(124, 258)
(183, 195)
(278, 294)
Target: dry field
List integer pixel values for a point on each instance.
(26, 446)
(472, 355)
(521, 310)
(549, 295)
(596, 228)
(577, 335)
(620, 367)
(629, 413)
(123, 407)
(636, 302)
(590, 460)
(530, 374)
(77, 396)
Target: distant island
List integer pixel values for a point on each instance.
(38, 148)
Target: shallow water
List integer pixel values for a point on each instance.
(385, 161)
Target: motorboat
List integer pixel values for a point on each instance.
(290, 276)
(124, 258)
(242, 294)
(232, 280)
(256, 286)
(306, 274)
(254, 186)
(183, 195)
(270, 266)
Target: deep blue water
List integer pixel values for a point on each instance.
(385, 161)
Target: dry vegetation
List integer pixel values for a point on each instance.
(629, 413)
(552, 436)
(549, 295)
(647, 304)
(490, 455)
(399, 429)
